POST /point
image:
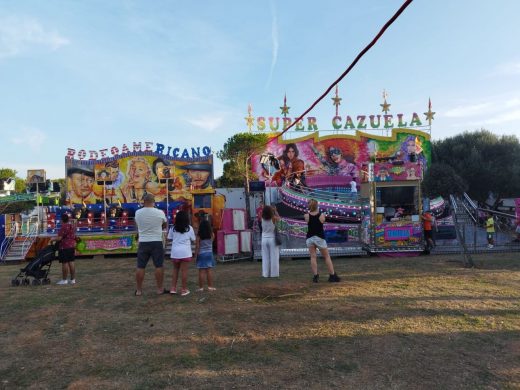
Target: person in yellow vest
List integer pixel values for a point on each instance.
(490, 230)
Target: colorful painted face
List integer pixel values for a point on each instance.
(291, 153)
(159, 168)
(113, 174)
(139, 171)
(198, 178)
(410, 146)
(336, 157)
(81, 184)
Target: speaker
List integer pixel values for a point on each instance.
(256, 186)
(56, 186)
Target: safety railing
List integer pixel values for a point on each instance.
(8, 241)
(29, 238)
(334, 193)
(504, 222)
(461, 234)
(471, 207)
(97, 225)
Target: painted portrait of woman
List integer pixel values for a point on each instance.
(411, 150)
(139, 181)
(295, 167)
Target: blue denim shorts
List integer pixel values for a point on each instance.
(205, 260)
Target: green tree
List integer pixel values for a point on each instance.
(236, 155)
(231, 177)
(17, 207)
(487, 162)
(6, 173)
(441, 179)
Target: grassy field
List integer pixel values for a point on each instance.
(414, 323)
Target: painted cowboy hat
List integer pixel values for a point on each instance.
(81, 170)
(198, 167)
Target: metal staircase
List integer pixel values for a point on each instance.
(17, 246)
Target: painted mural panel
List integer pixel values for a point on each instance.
(341, 155)
(127, 178)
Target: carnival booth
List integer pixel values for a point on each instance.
(365, 174)
(394, 224)
(105, 188)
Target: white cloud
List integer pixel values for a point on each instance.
(19, 34)
(504, 117)
(32, 137)
(515, 102)
(209, 123)
(274, 37)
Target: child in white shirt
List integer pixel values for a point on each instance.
(182, 235)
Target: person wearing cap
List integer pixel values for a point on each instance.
(80, 182)
(197, 176)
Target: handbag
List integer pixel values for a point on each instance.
(277, 237)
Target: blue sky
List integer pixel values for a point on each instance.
(96, 74)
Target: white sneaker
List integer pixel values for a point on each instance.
(72, 281)
(490, 246)
(62, 282)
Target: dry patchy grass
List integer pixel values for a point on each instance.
(391, 323)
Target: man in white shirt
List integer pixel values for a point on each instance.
(150, 224)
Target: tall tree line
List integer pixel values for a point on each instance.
(478, 163)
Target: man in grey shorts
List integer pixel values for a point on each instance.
(150, 224)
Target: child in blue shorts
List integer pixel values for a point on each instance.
(204, 255)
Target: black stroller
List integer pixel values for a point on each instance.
(38, 269)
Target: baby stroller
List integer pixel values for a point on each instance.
(38, 269)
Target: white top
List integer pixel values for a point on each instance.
(353, 186)
(181, 243)
(149, 222)
(268, 228)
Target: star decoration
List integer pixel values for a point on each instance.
(336, 101)
(429, 115)
(385, 106)
(285, 109)
(249, 121)
(249, 118)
